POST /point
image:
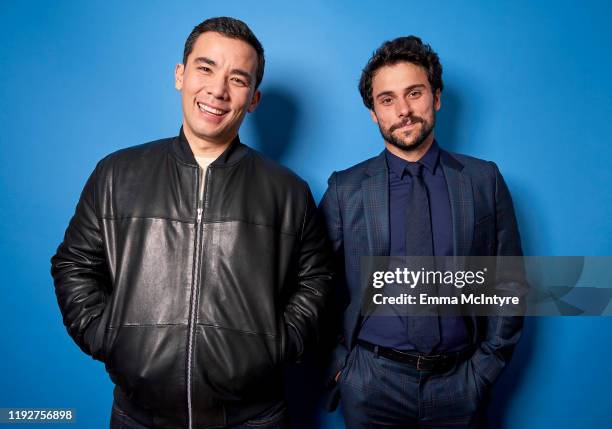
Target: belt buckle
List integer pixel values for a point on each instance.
(424, 359)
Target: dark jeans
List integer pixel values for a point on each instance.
(376, 392)
(273, 418)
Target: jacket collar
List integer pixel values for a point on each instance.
(377, 165)
(232, 154)
(449, 161)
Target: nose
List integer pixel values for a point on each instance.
(217, 87)
(403, 108)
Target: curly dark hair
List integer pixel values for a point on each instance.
(229, 27)
(410, 49)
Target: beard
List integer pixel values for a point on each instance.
(406, 143)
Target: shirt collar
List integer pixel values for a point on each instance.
(430, 160)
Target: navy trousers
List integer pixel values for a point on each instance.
(376, 392)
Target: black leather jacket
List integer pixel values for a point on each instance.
(193, 304)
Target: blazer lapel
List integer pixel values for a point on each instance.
(461, 201)
(375, 194)
(376, 206)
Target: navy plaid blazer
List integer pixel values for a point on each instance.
(356, 210)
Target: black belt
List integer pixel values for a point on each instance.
(419, 361)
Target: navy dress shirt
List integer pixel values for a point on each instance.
(390, 331)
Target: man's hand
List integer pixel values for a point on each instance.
(337, 376)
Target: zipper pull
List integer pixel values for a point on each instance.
(199, 214)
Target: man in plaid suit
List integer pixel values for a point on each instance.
(415, 199)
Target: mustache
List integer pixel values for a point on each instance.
(413, 119)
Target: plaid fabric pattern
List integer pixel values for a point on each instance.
(356, 210)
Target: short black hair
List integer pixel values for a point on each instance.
(229, 27)
(410, 49)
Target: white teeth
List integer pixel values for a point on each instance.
(205, 108)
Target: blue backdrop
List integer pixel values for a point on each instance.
(527, 86)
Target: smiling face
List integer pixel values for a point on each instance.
(404, 107)
(217, 86)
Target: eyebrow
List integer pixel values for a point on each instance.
(410, 88)
(210, 62)
(205, 61)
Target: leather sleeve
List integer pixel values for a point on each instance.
(80, 273)
(330, 210)
(306, 306)
(503, 332)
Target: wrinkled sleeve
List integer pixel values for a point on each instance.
(330, 211)
(306, 306)
(503, 332)
(80, 273)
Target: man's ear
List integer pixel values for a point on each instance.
(178, 76)
(254, 101)
(437, 99)
(373, 115)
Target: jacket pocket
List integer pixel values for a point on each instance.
(148, 364)
(237, 363)
(95, 334)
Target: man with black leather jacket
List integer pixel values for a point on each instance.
(194, 267)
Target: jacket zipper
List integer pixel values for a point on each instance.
(202, 203)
